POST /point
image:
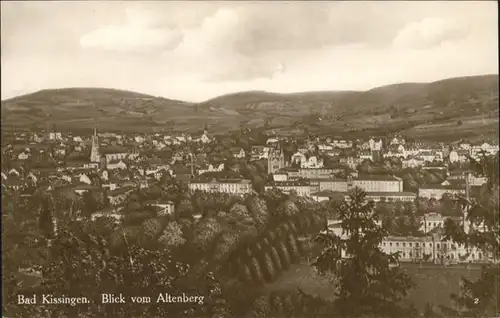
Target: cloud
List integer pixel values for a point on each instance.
(130, 38)
(143, 30)
(428, 33)
(244, 69)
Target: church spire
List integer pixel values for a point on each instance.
(95, 156)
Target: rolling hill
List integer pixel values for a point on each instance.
(465, 106)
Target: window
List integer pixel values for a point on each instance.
(410, 244)
(437, 244)
(416, 244)
(404, 244)
(397, 244)
(390, 244)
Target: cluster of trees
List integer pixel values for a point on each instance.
(414, 178)
(385, 166)
(264, 258)
(235, 246)
(400, 219)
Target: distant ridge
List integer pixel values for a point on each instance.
(416, 109)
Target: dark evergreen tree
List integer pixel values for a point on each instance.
(366, 282)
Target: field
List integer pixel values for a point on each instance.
(434, 284)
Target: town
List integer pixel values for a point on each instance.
(415, 185)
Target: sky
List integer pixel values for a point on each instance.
(194, 50)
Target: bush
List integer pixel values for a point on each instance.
(276, 259)
(269, 270)
(256, 271)
(292, 247)
(284, 255)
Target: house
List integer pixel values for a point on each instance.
(139, 139)
(272, 141)
(297, 158)
(55, 136)
(396, 141)
(116, 164)
(364, 146)
(211, 168)
(24, 155)
(326, 195)
(107, 212)
(166, 207)
(342, 144)
(430, 221)
(393, 154)
(459, 156)
(237, 152)
(325, 147)
(376, 144)
(430, 155)
(82, 188)
(222, 185)
(412, 162)
(260, 152)
(366, 155)
(280, 176)
(301, 187)
(117, 196)
(351, 162)
(317, 173)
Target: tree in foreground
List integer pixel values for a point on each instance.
(366, 283)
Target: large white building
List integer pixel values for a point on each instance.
(301, 187)
(376, 183)
(430, 248)
(233, 186)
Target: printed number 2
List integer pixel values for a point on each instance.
(476, 301)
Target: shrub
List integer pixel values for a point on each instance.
(256, 271)
(284, 255)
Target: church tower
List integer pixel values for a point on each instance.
(95, 156)
(276, 160)
(281, 157)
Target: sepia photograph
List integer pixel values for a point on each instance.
(250, 159)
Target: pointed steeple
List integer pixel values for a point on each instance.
(95, 156)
